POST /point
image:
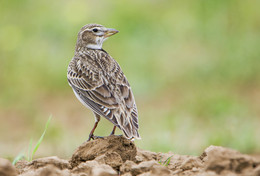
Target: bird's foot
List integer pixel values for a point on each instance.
(98, 137)
(94, 137)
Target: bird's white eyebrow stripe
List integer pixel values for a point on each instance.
(98, 28)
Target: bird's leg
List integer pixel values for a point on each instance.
(113, 131)
(97, 119)
(91, 136)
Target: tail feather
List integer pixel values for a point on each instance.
(130, 132)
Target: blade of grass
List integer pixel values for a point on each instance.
(29, 150)
(18, 158)
(167, 161)
(41, 138)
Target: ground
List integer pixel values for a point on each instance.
(116, 155)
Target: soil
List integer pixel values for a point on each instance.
(115, 155)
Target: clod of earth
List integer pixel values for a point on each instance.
(115, 155)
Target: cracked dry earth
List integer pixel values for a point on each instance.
(115, 155)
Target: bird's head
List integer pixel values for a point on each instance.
(93, 35)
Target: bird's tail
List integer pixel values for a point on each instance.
(131, 132)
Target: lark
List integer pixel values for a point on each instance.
(100, 84)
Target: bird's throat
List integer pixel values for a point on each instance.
(98, 44)
(94, 46)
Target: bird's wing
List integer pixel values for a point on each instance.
(102, 86)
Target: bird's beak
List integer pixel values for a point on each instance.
(110, 32)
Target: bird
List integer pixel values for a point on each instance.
(99, 83)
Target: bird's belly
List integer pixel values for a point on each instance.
(77, 95)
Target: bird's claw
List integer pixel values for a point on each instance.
(94, 137)
(97, 137)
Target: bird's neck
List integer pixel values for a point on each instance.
(98, 43)
(91, 45)
(88, 47)
(94, 46)
(85, 49)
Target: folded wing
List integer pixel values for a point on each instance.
(102, 87)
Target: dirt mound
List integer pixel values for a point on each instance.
(116, 155)
(113, 151)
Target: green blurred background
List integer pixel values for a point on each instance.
(194, 67)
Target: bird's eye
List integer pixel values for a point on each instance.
(95, 30)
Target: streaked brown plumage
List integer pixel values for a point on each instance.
(99, 83)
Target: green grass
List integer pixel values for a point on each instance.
(166, 162)
(30, 152)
